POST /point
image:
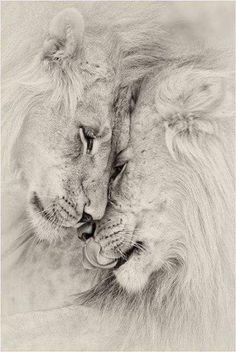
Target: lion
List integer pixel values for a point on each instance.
(57, 125)
(163, 252)
(57, 149)
(62, 126)
(165, 243)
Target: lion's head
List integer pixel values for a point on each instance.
(167, 230)
(58, 127)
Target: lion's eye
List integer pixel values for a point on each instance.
(87, 137)
(118, 169)
(121, 162)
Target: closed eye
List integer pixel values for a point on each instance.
(121, 162)
(87, 137)
(115, 176)
(118, 170)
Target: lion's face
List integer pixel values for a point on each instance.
(65, 162)
(64, 149)
(134, 222)
(133, 225)
(142, 230)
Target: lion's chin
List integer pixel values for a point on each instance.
(134, 273)
(131, 280)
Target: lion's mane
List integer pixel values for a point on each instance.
(188, 303)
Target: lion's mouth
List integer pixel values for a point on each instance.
(94, 257)
(134, 250)
(122, 260)
(61, 212)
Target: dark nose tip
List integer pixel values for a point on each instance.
(86, 231)
(86, 217)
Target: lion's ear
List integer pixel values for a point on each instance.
(65, 37)
(188, 103)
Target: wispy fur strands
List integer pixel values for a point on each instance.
(34, 88)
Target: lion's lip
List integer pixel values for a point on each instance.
(51, 215)
(125, 258)
(93, 257)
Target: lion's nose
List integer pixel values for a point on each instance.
(86, 217)
(86, 231)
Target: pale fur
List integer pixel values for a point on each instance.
(180, 285)
(61, 87)
(186, 302)
(36, 76)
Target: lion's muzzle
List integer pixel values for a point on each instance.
(61, 211)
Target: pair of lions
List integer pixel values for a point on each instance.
(109, 125)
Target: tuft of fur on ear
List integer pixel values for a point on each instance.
(188, 101)
(65, 36)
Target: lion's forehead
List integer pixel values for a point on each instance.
(56, 122)
(95, 69)
(84, 97)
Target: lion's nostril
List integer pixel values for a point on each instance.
(86, 231)
(85, 236)
(86, 217)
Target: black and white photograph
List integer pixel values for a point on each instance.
(118, 173)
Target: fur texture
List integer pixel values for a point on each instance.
(176, 291)
(56, 81)
(173, 204)
(53, 108)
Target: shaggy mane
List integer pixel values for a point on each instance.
(187, 303)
